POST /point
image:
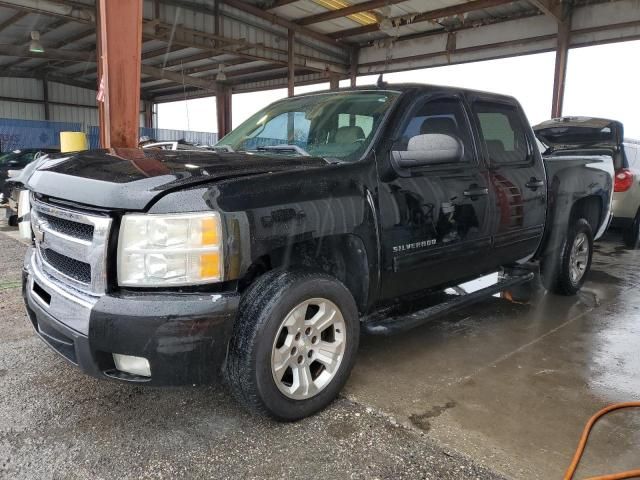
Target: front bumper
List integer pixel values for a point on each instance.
(183, 336)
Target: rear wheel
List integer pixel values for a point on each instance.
(631, 235)
(293, 345)
(566, 272)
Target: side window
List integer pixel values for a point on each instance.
(439, 116)
(502, 132)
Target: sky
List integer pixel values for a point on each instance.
(602, 81)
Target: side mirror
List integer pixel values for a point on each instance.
(429, 149)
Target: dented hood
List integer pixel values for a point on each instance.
(571, 132)
(129, 179)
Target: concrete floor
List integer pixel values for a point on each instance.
(513, 385)
(498, 389)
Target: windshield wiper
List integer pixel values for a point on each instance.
(223, 148)
(284, 148)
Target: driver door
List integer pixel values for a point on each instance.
(434, 218)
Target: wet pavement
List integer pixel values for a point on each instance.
(497, 389)
(513, 385)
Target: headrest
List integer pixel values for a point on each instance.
(349, 134)
(443, 125)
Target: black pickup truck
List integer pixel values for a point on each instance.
(261, 263)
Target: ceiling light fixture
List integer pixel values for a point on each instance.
(35, 46)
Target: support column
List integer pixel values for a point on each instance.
(334, 81)
(45, 98)
(353, 70)
(291, 63)
(560, 74)
(148, 114)
(223, 109)
(119, 48)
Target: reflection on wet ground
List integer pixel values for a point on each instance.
(512, 385)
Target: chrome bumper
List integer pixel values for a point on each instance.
(70, 307)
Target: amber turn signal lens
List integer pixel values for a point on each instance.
(210, 265)
(209, 231)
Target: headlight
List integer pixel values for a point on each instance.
(177, 249)
(24, 210)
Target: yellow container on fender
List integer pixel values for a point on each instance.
(73, 141)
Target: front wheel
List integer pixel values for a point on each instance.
(566, 272)
(293, 345)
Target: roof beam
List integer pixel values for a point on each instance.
(13, 19)
(68, 10)
(550, 8)
(161, 51)
(426, 16)
(343, 12)
(191, 58)
(217, 13)
(283, 22)
(277, 3)
(178, 78)
(204, 41)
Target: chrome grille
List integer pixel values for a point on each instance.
(71, 246)
(75, 269)
(68, 227)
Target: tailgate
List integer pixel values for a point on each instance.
(580, 132)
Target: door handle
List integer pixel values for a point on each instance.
(474, 191)
(534, 184)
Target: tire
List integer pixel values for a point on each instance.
(631, 235)
(559, 271)
(266, 326)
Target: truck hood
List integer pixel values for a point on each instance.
(129, 179)
(576, 132)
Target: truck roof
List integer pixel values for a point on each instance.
(406, 87)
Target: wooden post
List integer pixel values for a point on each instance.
(45, 98)
(148, 114)
(223, 109)
(560, 74)
(291, 61)
(353, 70)
(334, 81)
(119, 49)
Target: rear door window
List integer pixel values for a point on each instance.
(502, 132)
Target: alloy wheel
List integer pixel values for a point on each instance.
(308, 348)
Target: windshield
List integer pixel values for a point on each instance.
(338, 126)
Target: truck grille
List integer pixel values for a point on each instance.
(68, 227)
(71, 245)
(75, 269)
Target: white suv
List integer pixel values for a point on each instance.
(626, 196)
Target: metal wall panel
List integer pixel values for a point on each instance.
(59, 92)
(21, 88)
(21, 111)
(82, 115)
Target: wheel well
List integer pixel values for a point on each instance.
(344, 257)
(589, 208)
